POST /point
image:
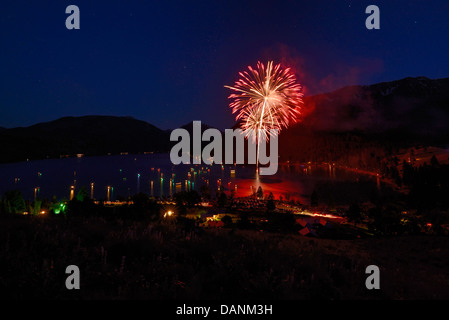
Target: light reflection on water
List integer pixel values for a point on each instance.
(155, 175)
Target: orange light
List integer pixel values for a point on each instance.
(168, 214)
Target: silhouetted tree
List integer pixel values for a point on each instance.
(82, 194)
(407, 173)
(434, 162)
(259, 193)
(437, 218)
(35, 207)
(232, 197)
(205, 191)
(188, 198)
(14, 202)
(387, 220)
(270, 203)
(222, 199)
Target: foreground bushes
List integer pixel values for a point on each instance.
(122, 259)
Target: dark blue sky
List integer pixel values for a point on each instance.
(166, 62)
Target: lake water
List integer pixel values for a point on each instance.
(119, 176)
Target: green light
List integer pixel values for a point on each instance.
(60, 208)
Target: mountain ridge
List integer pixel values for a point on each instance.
(412, 110)
(90, 135)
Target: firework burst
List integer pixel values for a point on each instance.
(267, 97)
(253, 120)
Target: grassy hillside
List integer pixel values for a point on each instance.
(137, 260)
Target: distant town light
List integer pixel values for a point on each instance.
(169, 213)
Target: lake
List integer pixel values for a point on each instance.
(120, 176)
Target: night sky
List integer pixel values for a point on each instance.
(166, 62)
